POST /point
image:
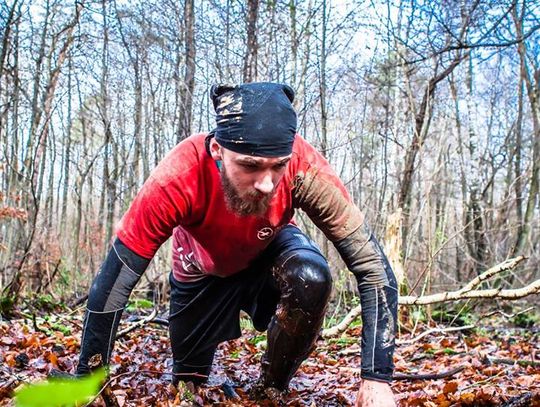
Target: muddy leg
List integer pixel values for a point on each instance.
(305, 284)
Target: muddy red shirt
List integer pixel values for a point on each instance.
(183, 197)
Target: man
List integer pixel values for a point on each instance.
(228, 200)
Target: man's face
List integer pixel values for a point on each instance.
(249, 182)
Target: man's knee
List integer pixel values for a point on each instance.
(306, 282)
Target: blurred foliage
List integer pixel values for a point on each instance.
(60, 392)
(526, 319)
(139, 303)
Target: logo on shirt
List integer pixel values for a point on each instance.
(265, 233)
(188, 262)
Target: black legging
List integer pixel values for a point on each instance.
(286, 291)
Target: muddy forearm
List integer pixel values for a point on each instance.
(324, 198)
(378, 296)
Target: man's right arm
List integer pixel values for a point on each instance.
(157, 209)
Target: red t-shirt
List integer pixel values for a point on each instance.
(183, 197)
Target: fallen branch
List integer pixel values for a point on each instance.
(509, 264)
(344, 324)
(533, 288)
(466, 292)
(406, 376)
(523, 400)
(504, 314)
(138, 324)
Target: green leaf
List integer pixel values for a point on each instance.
(60, 392)
(139, 303)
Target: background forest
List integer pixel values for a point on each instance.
(429, 111)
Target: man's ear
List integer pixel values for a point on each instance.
(215, 150)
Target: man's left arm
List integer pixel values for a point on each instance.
(379, 298)
(320, 193)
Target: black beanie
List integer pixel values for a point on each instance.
(255, 118)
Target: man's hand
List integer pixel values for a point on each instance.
(375, 394)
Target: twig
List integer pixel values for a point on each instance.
(160, 321)
(505, 361)
(138, 324)
(427, 376)
(78, 301)
(37, 328)
(434, 330)
(481, 382)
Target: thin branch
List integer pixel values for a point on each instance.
(463, 46)
(428, 376)
(432, 331)
(138, 324)
(466, 292)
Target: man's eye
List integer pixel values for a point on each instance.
(280, 165)
(250, 166)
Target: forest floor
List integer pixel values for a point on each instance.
(496, 366)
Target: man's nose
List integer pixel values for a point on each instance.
(264, 185)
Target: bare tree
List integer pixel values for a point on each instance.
(252, 45)
(532, 85)
(186, 100)
(34, 162)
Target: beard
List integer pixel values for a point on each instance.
(250, 203)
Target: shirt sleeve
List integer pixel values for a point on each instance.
(319, 192)
(162, 204)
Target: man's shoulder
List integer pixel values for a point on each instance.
(190, 147)
(305, 152)
(195, 141)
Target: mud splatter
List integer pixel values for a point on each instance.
(230, 104)
(386, 330)
(326, 204)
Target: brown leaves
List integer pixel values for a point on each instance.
(450, 387)
(330, 377)
(481, 383)
(9, 212)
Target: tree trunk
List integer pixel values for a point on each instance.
(186, 103)
(478, 244)
(67, 153)
(250, 58)
(420, 131)
(533, 94)
(34, 160)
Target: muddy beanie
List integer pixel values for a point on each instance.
(255, 118)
